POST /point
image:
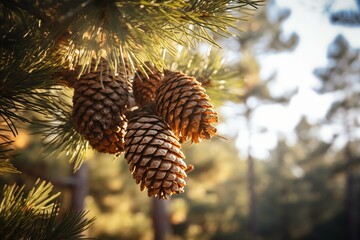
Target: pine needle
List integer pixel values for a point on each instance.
(222, 79)
(36, 216)
(58, 132)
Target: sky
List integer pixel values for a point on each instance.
(310, 21)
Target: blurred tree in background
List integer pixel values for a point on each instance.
(340, 78)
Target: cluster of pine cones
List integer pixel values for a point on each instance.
(172, 108)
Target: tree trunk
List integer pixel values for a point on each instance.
(285, 215)
(161, 221)
(352, 207)
(351, 200)
(284, 202)
(252, 195)
(79, 189)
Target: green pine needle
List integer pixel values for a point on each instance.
(58, 132)
(38, 200)
(35, 216)
(5, 165)
(26, 67)
(141, 31)
(71, 226)
(222, 79)
(39, 197)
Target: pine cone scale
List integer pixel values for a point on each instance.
(145, 85)
(159, 160)
(188, 110)
(100, 101)
(174, 108)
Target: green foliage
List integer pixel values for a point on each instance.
(339, 80)
(142, 30)
(26, 67)
(5, 165)
(138, 31)
(38, 198)
(35, 216)
(222, 79)
(59, 134)
(23, 87)
(40, 40)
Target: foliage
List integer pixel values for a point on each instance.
(269, 32)
(26, 68)
(142, 30)
(36, 217)
(339, 79)
(5, 165)
(222, 79)
(44, 41)
(136, 30)
(57, 130)
(299, 189)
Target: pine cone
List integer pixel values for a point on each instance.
(154, 155)
(99, 104)
(184, 105)
(144, 87)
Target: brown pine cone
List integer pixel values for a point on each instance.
(99, 103)
(144, 87)
(184, 105)
(154, 155)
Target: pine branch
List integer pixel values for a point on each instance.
(26, 66)
(34, 217)
(37, 200)
(222, 80)
(59, 134)
(140, 31)
(5, 165)
(71, 226)
(16, 215)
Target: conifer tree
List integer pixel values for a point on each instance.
(340, 76)
(67, 68)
